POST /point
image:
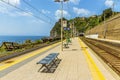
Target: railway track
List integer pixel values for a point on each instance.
(110, 53)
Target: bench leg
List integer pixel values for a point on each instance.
(41, 67)
(44, 65)
(48, 69)
(54, 63)
(57, 58)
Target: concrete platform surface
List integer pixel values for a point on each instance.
(78, 62)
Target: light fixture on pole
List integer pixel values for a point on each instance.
(61, 21)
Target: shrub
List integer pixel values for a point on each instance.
(38, 41)
(28, 41)
(48, 42)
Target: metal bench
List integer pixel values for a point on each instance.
(66, 45)
(48, 60)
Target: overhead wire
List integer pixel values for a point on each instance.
(2, 5)
(36, 9)
(115, 3)
(68, 8)
(24, 11)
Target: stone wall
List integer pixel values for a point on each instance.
(109, 30)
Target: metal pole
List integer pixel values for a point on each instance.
(73, 29)
(61, 21)
(61, 25)
(105, 27)
(113, 8)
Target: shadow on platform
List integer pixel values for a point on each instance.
(52, 67)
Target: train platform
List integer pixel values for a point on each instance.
(108, 40)
(78, 62)
(113, 41)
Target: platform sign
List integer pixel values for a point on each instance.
(66, 28)
(64, 23)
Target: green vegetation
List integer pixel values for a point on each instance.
(38, 41)
(48, 42)
(57, 27)
(8, 48)
(28, 41)
(85, 23)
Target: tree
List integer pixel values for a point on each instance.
(107, 13)
(81, 22)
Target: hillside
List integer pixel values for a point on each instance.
(110, 29)
(85, 24)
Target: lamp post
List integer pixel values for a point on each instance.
(61, 21)
(113, 5)
(71, 29)
(105, 27)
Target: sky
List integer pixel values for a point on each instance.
(37, 17)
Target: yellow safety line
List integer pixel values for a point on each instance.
(96, 73)
(33, 53)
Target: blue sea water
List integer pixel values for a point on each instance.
(18, 39)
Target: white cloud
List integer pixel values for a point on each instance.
(75, 1)
(5, 8)
(11, 11)
(45, 11)
(58, 14)
(13, 2)
(109, 3)
(81, 11)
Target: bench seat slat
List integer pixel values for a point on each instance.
(48, 58)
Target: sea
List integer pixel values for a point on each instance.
(19, 39)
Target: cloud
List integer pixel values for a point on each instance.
(58, 14)
(5, 8)
(76, 2)
(109, 3)
(11, 11)
(115, 4)
(45, 11)
(81, 11)
(13, 2)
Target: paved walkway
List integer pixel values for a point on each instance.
(77, 63)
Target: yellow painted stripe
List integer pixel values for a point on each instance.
(31, 54)
(96, 73)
